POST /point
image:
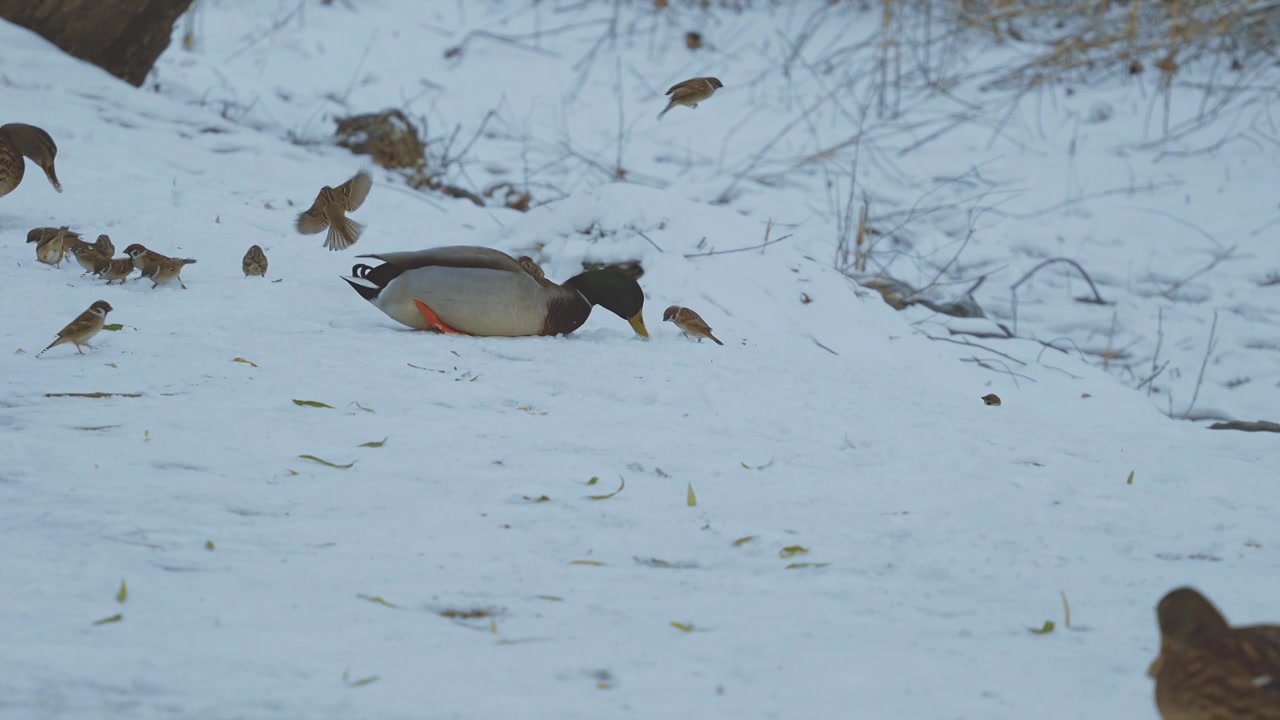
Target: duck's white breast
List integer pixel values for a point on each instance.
(477, 301)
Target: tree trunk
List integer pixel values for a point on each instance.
(123, 37)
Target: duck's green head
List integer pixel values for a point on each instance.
(614, 291)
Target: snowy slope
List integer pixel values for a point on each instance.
(939, 529)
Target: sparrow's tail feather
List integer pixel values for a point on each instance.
(51, 345)
(187, 261)
(668, 107)
(713, 337)
(343, 234)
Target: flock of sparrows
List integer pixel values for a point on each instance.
(328, 212)
(54, 244)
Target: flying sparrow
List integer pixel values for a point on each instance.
(691, 92)
(1208, 670)
(255, 262)
(115, 269)
(690, 322)
(167, 269)
(330, 211)
(84, 327)
(50, 247)
(104, 246)
(89, 258)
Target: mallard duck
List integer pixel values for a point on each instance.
(1208, 670)
(18, 140)
(470, 290)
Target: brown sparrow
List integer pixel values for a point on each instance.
(255, 262)
(143, 259)
(50, 247)
(36, 235)
(533, 268)
(330, 211)
(89, 258)
(115, 269)
(691, 92)
(167, 269)
(104, 246)
(1208, 670)
(690, 322)
(84, 327)
(70, 240)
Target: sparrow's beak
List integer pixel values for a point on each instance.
(637, 324)
(1155, 664)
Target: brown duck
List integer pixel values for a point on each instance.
(18, 140)
(1208, 670)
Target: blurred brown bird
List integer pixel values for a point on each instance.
(330, 211)
(44, 233)
(104, 246)
(533, 268)
(84, 327)
(1208, 670)
(18, 140)
(115, 269)
(254, 262)
(70, 240)
(690, 322)
(691, 92)
(50, 249)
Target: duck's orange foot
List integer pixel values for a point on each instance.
(433, 320)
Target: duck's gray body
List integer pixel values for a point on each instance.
(475, 290)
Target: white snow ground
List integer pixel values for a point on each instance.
(945, 528)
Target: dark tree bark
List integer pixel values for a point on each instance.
(123, 37)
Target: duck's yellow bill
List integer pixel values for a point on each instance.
(637, 324)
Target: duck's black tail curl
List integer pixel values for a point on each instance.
(369, 281)
(368, 292)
